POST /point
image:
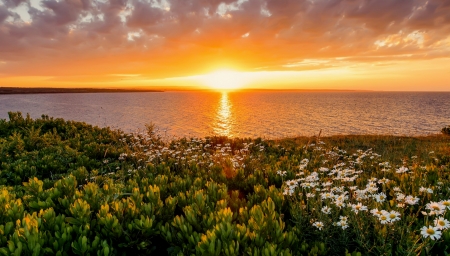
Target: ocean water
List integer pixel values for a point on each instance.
(246, 114)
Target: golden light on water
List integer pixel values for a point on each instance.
(224, 119)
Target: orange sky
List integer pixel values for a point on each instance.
(279, 44)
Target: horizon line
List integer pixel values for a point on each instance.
(31, 90)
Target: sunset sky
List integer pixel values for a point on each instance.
(279, 44)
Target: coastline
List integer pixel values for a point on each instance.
(19, 90)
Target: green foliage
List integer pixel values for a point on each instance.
(68, 188)
(50, 148)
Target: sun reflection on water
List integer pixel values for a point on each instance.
(223, 123)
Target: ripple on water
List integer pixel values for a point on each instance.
(246, 114)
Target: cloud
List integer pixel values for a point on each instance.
(4, 13)
(163, 38)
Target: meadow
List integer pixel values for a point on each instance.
(69, 188)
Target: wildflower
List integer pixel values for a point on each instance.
(445, 203)
(394, 216)
(327, 195)
(318, 224)
(342, 197)
(376, 212)
(411, 200)
(327, 184)
(358, 207)
(288, 191)
(360, 194)
(122, 156)
(339, 203)
(383, 181)
(381, 197)
(384, 218)
(436, 207)
(291, 183)
(400, 196)
(372, 189)
(305, 185)
(308, 195)
(342, 223)
(326, 210)
(429, 191)
(402, 169)
(397, 189)
(303, 164)
(323, 169)
(315, 184)
(281, 173)
(441, 223)
(385, 164)
(431, 232)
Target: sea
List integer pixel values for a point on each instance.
(265, 114)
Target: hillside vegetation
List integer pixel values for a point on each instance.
(68, 188)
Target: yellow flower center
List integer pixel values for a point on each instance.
(383, 217)
(430, 231)
(392, 215)
(446, 203)
(435, 207)
(441, 223)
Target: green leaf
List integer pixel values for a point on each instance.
(73, 221)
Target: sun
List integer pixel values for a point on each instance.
(224, 79)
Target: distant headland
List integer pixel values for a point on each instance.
(20, 90)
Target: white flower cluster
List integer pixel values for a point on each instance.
(338, 189)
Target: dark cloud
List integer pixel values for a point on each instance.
(13, 3)
(4, 13)
(76, 37)
(144, 15)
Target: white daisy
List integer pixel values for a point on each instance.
(441, 223)
(431, 232)
(326, 210)
(318, 224)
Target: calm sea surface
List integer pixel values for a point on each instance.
(246, 114)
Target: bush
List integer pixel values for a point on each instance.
(446, 130)
(67, 188)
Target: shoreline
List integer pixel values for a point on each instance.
(19, 90)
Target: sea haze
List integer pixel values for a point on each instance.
(246, 114)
